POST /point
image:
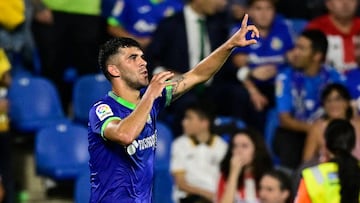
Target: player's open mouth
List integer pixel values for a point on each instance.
(144, 73)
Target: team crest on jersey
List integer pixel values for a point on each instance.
(103, 111)
(276, 43)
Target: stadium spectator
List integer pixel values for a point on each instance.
(259, 64)
(196, 157)
(139, 19)
(337, 180)
(340, 26)
(336, 102)
(244, 164)
(297, 95)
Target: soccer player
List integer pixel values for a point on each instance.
(122, 125)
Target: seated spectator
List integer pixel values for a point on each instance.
(336, 103)
(297, 90)
(258, 64)
(139, 19)
(244, 164)
(337, 180)
(352, 78)
(275, 187)
(196, 157)
(340, 25)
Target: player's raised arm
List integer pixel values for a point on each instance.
(211, 64)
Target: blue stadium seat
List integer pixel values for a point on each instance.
(82, 186)
(225, 126)
(163, 183)
(296, 26)
(61, 151)
(87, 90)
(35, 104)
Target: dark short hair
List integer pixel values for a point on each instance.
(284, 180)
(342, 91)
(110, 48)
(319, 42)
(204, 110)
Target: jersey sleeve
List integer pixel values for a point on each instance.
(101, 114)
(165, 99)
(283, 93)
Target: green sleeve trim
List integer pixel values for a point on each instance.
(113, 21)
(105, 124)
(169, 91)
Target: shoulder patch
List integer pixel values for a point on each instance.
(103, 111)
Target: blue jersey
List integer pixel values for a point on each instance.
(353, 84)
(122, 173)
(141, 17)
(299, 94)
(270, 49)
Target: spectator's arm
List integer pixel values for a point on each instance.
(183, 185)
(312, 142)
(288, 122)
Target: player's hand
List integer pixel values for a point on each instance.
(159, 82)
(239, 38)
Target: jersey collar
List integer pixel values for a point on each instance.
(122, 101)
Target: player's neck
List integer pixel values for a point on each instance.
(129, 94)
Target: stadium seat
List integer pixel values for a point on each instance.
(61, 151)
(35, 104)
(82, 186)
(296, 26)
(226, 125)
(163, 182)
(87, 90)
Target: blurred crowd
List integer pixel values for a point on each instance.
(303, 74)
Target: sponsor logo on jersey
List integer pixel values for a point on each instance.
(103, 111)
(142, 144)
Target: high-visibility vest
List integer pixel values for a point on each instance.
(322, 183)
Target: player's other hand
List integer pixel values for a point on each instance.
(239, 38)
(158, 83)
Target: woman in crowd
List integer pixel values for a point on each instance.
(336, 101)
(245, 162)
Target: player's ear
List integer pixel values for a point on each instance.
(113, 70)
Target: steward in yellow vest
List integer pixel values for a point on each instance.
(337, 181)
